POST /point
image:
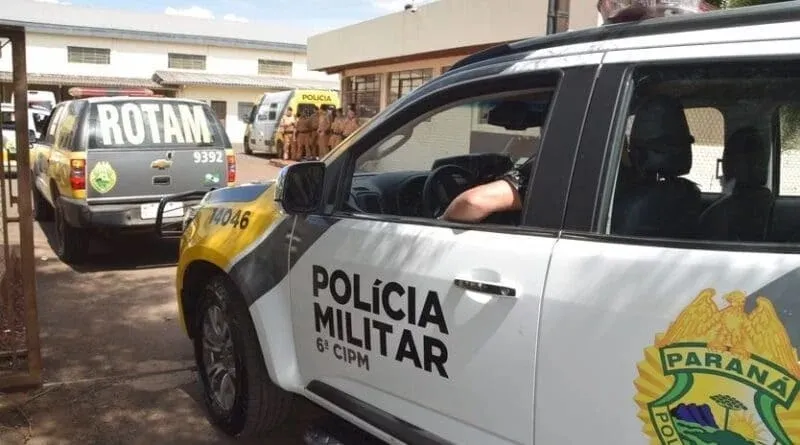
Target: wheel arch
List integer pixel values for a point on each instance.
(194, 278)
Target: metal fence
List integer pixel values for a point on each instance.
(20, 352)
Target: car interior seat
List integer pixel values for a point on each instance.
(660, 203)
(744, 210)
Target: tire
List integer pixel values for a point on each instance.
(72, 243)
(246, 145)
(257, 405)
(42, 210)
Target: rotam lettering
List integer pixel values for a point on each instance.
(134, 123)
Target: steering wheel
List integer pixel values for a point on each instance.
(441, 188)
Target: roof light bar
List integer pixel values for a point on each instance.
(626, 11)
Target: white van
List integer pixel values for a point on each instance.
(37, 122)
(40, 99)
(264, 118)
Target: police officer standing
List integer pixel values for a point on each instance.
(312, 143)
(303, 138)
(323, 132)
(350, 124)
(336, 129)
(287, 129)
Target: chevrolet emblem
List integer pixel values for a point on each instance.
(161, 164)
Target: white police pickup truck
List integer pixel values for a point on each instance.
(646, 292)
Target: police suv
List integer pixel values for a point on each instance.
(103, 164)
(645, 292)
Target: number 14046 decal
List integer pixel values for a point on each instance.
(222, 216)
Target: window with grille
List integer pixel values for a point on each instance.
(274, 67)
(363, 92)
(403, 82)
(80, 54)
(186, 61)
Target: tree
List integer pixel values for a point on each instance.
(730, 404)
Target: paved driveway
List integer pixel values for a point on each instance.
(118, 369)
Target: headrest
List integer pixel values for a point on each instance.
(660, 140)
(745, 158)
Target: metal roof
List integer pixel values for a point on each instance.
(70, 19)
(85, 81)
(237, 80)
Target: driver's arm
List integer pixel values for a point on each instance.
(477, 203)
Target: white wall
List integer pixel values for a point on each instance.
(232, 96)
(440, 25)
(129, 58)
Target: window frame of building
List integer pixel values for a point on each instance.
(400, 83)
(88, 55)
(244, 113)
(367, 91)
(273, 67)
(184, 61)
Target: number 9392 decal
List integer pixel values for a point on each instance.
(224, 216)
(208, 156)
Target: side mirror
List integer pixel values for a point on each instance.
(298, 188)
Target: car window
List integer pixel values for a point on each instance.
(142, 123)
(696, 155)
(68, 125)
(55, 119)
(486, 136)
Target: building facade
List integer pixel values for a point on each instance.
(76, 51)
(383, 59)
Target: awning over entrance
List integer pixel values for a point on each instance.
(87, 81)
(177, 78)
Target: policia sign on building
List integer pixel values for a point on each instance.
(350, 327)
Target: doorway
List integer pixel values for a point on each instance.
(221, 110)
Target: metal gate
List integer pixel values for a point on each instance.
(20, 352)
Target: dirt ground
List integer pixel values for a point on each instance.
(117, 367)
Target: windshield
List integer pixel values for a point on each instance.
(143, 123)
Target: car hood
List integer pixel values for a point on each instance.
(238, 193)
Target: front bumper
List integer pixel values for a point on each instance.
(79, 213)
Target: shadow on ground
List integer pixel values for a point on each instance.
(141, 412)
(126, 251)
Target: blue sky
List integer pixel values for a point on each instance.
(306, 13)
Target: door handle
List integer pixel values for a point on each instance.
(485, 287)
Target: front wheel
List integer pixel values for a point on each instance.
(237, 391)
